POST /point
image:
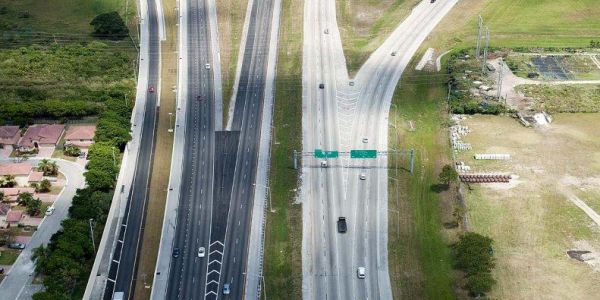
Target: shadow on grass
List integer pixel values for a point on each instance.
(439, 187)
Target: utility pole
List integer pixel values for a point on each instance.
(170, 122)
(92, 235)
(295, 160)
(412, 160)
(500, 71)
(479, 28)
(485, 50)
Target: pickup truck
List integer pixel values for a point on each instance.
(341, 225)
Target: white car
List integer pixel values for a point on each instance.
(365, 140)
(50, 210)
(324, 164)
(362, 176)
(207, 66)
(361, 272)
(201, 252)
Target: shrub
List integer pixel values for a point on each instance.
(109, 25)
(72, 150)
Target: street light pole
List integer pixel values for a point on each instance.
(92, 234)
(170, 122)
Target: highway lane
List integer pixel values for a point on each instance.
(188, 272)
(360, 111)
(121, 276)
(247, 118)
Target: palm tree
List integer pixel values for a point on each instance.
(9, 181)
(48, 167)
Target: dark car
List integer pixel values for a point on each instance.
(151, 89)
(17, 246)
(198, 98)
(321, 86)
(341, 225)
(176, 252)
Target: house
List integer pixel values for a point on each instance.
(13, 217)
(21, 171)
(11, 194)
(80, 135)
(9, 137)
(36, 177)
(41, 135)
(4, 209)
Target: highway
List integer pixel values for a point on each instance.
(247, 119)
(343, 117)
(188, 272)
(121, 275)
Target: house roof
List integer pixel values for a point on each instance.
(14, 216)
(16, 169)
(16, 191)
(80, 132)
(42, 134)
(36, 176)
(9, 135)
(4, 209)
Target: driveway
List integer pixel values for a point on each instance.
(17, 284)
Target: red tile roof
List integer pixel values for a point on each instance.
(16, 169)
(42, 134)
(16, 191)
(14, 216)
(9, 135)
(36, 176)
(80, 132)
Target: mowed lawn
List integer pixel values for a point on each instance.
(521, 23)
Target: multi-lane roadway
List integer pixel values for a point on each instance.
(350, 114)
(122, 270)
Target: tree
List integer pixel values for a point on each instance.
(1, 196)
(50, 168)
(9, 181)
(72, 150)
(109, 25)
(480, 284)
(33, 207)
(474, 253)
(99, 180)
(448, 174)
(24, 198)
(44, 186)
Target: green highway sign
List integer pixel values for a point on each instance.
(326, 154)
(363, 153)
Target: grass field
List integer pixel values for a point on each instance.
(283, 241)
(230, 17)
(61, 17)
(419, 256)
(523, 23)
(364, 25)
(531, 220)
(159, 178)
(8, 257)
(563, 98)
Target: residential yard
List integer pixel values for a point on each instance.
(283, 241)
(230, 17)
(365, 24)
(531, 220)
(420, 266)
(8, 256)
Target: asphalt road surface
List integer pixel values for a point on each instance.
(345, 116)
(247, 119)
(187, 276)
(121, 276)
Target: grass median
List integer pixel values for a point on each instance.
(283, 241)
